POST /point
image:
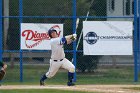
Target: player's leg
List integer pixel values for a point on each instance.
(54, 67)
(71, 69)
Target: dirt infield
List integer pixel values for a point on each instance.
(88, 88)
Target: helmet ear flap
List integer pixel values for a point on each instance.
(50, 35)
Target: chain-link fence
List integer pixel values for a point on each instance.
(28, 66)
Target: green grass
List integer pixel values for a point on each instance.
(108, 76)
(32, 74)
(40, 91)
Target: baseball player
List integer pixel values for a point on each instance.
(58, 59)
(3, 67)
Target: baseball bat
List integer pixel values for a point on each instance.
(77, 22)
(82, 28)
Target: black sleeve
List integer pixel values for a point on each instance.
(1, 64)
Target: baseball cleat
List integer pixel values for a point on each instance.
(42, 83)
(70, 84)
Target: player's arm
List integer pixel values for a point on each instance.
(2, 70)
(3, 65)
(68, 39)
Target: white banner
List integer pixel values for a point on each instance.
(107, 37)
(34, 36)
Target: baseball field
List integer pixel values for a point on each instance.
(104, 49)
(74, 89)
(101, 81)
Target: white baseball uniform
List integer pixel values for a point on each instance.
(58, 59)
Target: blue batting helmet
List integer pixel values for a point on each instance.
(50, 31)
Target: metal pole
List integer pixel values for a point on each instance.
(1, 30)
(5, 22)
(20, 21)
(139, 31)
(138, 34)
(135, 43)
(74, 30)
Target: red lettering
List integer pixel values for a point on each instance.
(28, 33)
(31, 35)
(35, 36)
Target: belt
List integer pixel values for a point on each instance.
(58, 60)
